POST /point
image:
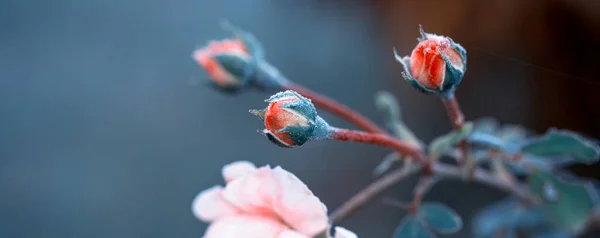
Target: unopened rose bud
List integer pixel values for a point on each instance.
(225, 62)
(291, 120)
(237, 64)
(436, 65)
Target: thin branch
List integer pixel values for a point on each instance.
(458, 121)
(371, 191)
(487, 178)
(423, 186)
(401, 147)
(443, 170)
(456, 116)
(338, 109)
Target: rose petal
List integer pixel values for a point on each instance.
(437, 71)
(291, 234)
(244, 226)
(232, 46)
(237, 170)
(297, 205)
(341, 232)
(210, 205)
(417, 64)
(214, 69)
(253, 193)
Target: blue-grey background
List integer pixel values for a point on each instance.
(103, 135)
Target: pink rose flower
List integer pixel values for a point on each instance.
(262, 203)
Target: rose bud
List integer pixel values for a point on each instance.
(436, 65)
(237, 64)
(291, 120)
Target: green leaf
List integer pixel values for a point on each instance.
(486, 125)
(557, 143)
(568, 205)
(508, 216)
(440, 217)
(387, 162)
(387, 103)
(553, 234)
(444, 142)
(412, 227)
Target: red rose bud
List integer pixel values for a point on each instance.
(236, 64)
(216, 57)
(436, 65)
(291, 120)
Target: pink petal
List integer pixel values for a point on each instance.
(297, 205)
(437, 71)
(244, 226)
(237, 170)
(210, 205)
(253, 193)
(341, 232)
(291, 234)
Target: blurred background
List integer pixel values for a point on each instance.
(102, 134)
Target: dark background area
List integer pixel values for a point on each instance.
(102, 134)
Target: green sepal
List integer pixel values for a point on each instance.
(452, 77)
(238, 67)
(299, 134)
(254, 46)
(302, 106)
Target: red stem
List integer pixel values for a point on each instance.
(337, 109)
(421, 189)
(454, 112)
(458, 121)
(378, 139)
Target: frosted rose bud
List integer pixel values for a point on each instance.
(236, 64)
(225, 62)
(291, 120)
(436, 65)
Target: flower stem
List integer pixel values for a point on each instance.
(378, 139)
(370, 192)
(337, 109)
(440, 169)
(458, 121)
(421, 189)
(456, 116)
